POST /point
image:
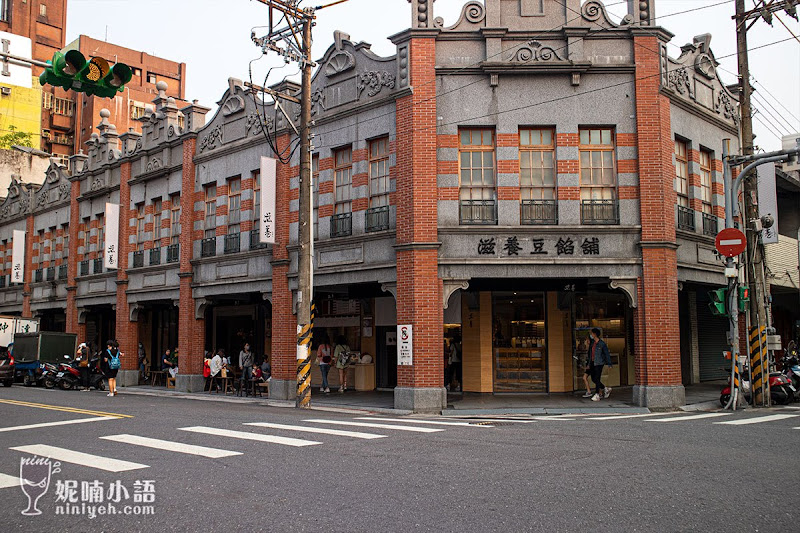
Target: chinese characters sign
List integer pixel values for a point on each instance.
(768, 201)
(516, 247)
(111, 252)
(18, 257)
(268, 177)
(405, 345)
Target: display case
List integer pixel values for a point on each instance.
(520, 356)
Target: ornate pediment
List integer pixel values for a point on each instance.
(473, 16)
(18, 200)
(56, 186)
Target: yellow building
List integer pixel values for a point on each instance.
(21, 108)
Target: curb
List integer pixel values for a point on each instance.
(458, 413)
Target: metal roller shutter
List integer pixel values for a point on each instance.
(712, 337)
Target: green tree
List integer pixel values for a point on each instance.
(14, 137)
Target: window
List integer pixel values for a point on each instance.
(63, 106)
(234, 204)
(681, 173)
(343, 176)
(42, 10)
(379, 172)
(140, 226)
(315, 191)
(136, 71)
(175, 218)
(598, 177)
(101, 237)
(537, 176)
(137, 110)
(47, 100)
(40, 247)
(705, 180)
(157, 210)
(151, 78)
(477, 191)
(65, 241)
(211, 211)
(5, 7)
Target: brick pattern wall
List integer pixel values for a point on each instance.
(26, 291)
(127, 331)
(418, 285)
(72, 265)
(658, 335)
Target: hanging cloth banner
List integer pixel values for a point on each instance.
(111, 252)
(268, 187)
(18, 256)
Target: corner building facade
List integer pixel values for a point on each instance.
(509, 182)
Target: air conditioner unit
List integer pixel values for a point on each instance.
(6, 91)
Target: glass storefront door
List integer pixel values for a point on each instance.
(519, 342)
(607, 312)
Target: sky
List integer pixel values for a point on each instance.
(213, 38)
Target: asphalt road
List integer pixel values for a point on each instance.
(557, 473)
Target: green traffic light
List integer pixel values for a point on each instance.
(95, 77)
(717, 304)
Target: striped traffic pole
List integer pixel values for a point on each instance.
(304, 362)
(757, 363)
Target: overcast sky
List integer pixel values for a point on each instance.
(213, 38)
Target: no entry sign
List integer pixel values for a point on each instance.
(730, 242)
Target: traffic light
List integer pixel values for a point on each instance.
(71, 71)
(717, 303)
(744, 298)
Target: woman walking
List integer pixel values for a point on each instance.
(324, 359)
(341, 355)
(82, 357)
(110, 364)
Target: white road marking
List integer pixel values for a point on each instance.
(324, 431)
(7, 481)
(287, 441)
(171, 446)
(378, 426)
(503, 420)
(59, 423)
(620, 417)
(756, 420)
(690, 417)
(555, 417)
(418, 421)
(79, 458)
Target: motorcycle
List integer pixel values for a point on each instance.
(791, 369)
(96, 377)
(781, 390)
(49, 371)
(68, 376)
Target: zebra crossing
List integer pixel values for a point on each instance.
(726, 418)
(264, 432)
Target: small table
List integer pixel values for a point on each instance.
(158, 376)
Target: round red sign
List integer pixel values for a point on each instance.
(730, 242)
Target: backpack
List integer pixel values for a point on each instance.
(113, 361)
(206, 369)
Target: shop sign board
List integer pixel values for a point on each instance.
(6, 330)
(18, 256)
(268, 191)
(405, 345)
(111, 255)
(27, 325)
(768, 201)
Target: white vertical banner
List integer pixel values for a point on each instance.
(111, 251)
(768, 201)
(268, 188)
(405, 345)
(18, 256)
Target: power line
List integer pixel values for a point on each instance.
(768, 109)
(776, 99)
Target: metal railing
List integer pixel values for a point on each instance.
(233, 243)
(173, 252)
(155, 256)
(38, 275)
(478, 212)
(97, 267)
(599, 212)
(685, 218)
(342, 225)
(538, 212)
(208, 247)
(85, 267)
(62, 272)
(138, 258)
(377, 218)
(255, 240)
(710, 226)
(50, 274)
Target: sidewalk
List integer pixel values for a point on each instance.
(698, 397)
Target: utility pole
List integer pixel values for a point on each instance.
(754, 257)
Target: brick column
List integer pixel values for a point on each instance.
(127, 332)
(284, 322)
(191, 330)
(420, 386)
(658, 360)
(72, 263)
(28, 259)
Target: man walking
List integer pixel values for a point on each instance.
(599, 356)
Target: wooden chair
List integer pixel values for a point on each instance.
(170, 382)
(159, 376)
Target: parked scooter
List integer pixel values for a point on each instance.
(96, 377)
(49, 371)
(781, 390)
(68, 376)
(790, 364)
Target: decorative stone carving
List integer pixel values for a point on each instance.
(374, 81)
(98, 183)
(705, 65)
(24, 203)
(402, 63)
(594, 11)
(473, 12)
(154, 164)
(63, 191)
(210, 141)
(41, 200)
(317, 101)
(681, 81)
(255, 123)
(533, 52)
(52, 175)
(725, 107)
(390, 288)
(450, 286)
(234, 103)
(340, 61)
(629, 287)
(200, 305)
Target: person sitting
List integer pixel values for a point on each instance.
(266, 370)
(258, 374)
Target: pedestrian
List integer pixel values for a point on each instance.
(266, 369)
(141, 356)
(324, 358)
(455, 364)
(82, 358)
(246, 360)
(110, 363)
(599, 357)
(587, 366)
(341, 353)
(169, 363)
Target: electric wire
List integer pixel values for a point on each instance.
(767, 109)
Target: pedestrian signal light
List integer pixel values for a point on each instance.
(71, 71)
(717, 303)
(744, 298)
